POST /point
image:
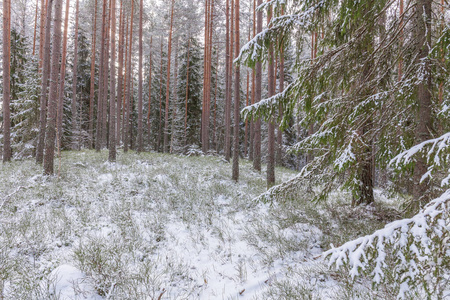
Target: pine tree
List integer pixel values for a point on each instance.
(6, 81)
(44, 83)
(50, 134)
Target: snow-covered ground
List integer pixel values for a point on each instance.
(154, 226)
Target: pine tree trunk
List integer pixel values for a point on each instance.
(75, 130)
(149, 123)
(120, 73)
(215, 103)
(92, 84)
(140, 141)
(175, 96)
(187, 93)
(104, 131)
(271, 135)
(112, 101)
(6, 80)
(227, 84)
(158, 142)
(237, 97)
(258, 79)
(42, 33)
(424, 122)
(101, 90)
(53, 94)
(279, 154)
(128, 107)
(62, 79)
(44, 85)
(252, 123)
(169, 56)
(125, 83)
(35, 27)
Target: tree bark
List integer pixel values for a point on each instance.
(92, 84)
(62, 78)
(227, 84)
(53, 99)
(6, 80)
(424, 122)
(44, 85)
(101, 90)
(42, 33)
(271, 135)
(120, 72)
(158, 142)
(169, 55)
(252, 123)
(258, 79)
(187, 92)
(75, 129)
(112, 101)
(149, 123)
(237, 97)
(127, 127)
(35, 27)
(140, 142)
(175, 96)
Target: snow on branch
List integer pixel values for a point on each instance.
(256, 49)
(436, 155)
(415, 251)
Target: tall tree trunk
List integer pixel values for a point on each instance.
(149, 123)
(424, 121)
(279, 154)
(237, 98)
(104, 125)
(92, 84)
(120, 72)
(75, 129)
(101, 90)
(227, 84)
(44, 85)
(127, 127)
(112, 101)
(62, 79)
(53, 99)
(187, 92)
(175, 96)
(140, 141)
(215, 102)
(35, 27)
(169, 56)
(271, 135)
(258, 79)
(125, 83)
(6, 80)
(42, 33)
(158, 146)
(252, 123)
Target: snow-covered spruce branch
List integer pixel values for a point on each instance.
(419, 248)
(436, 151)
(257, 48)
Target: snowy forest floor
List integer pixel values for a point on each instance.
(157, 226)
